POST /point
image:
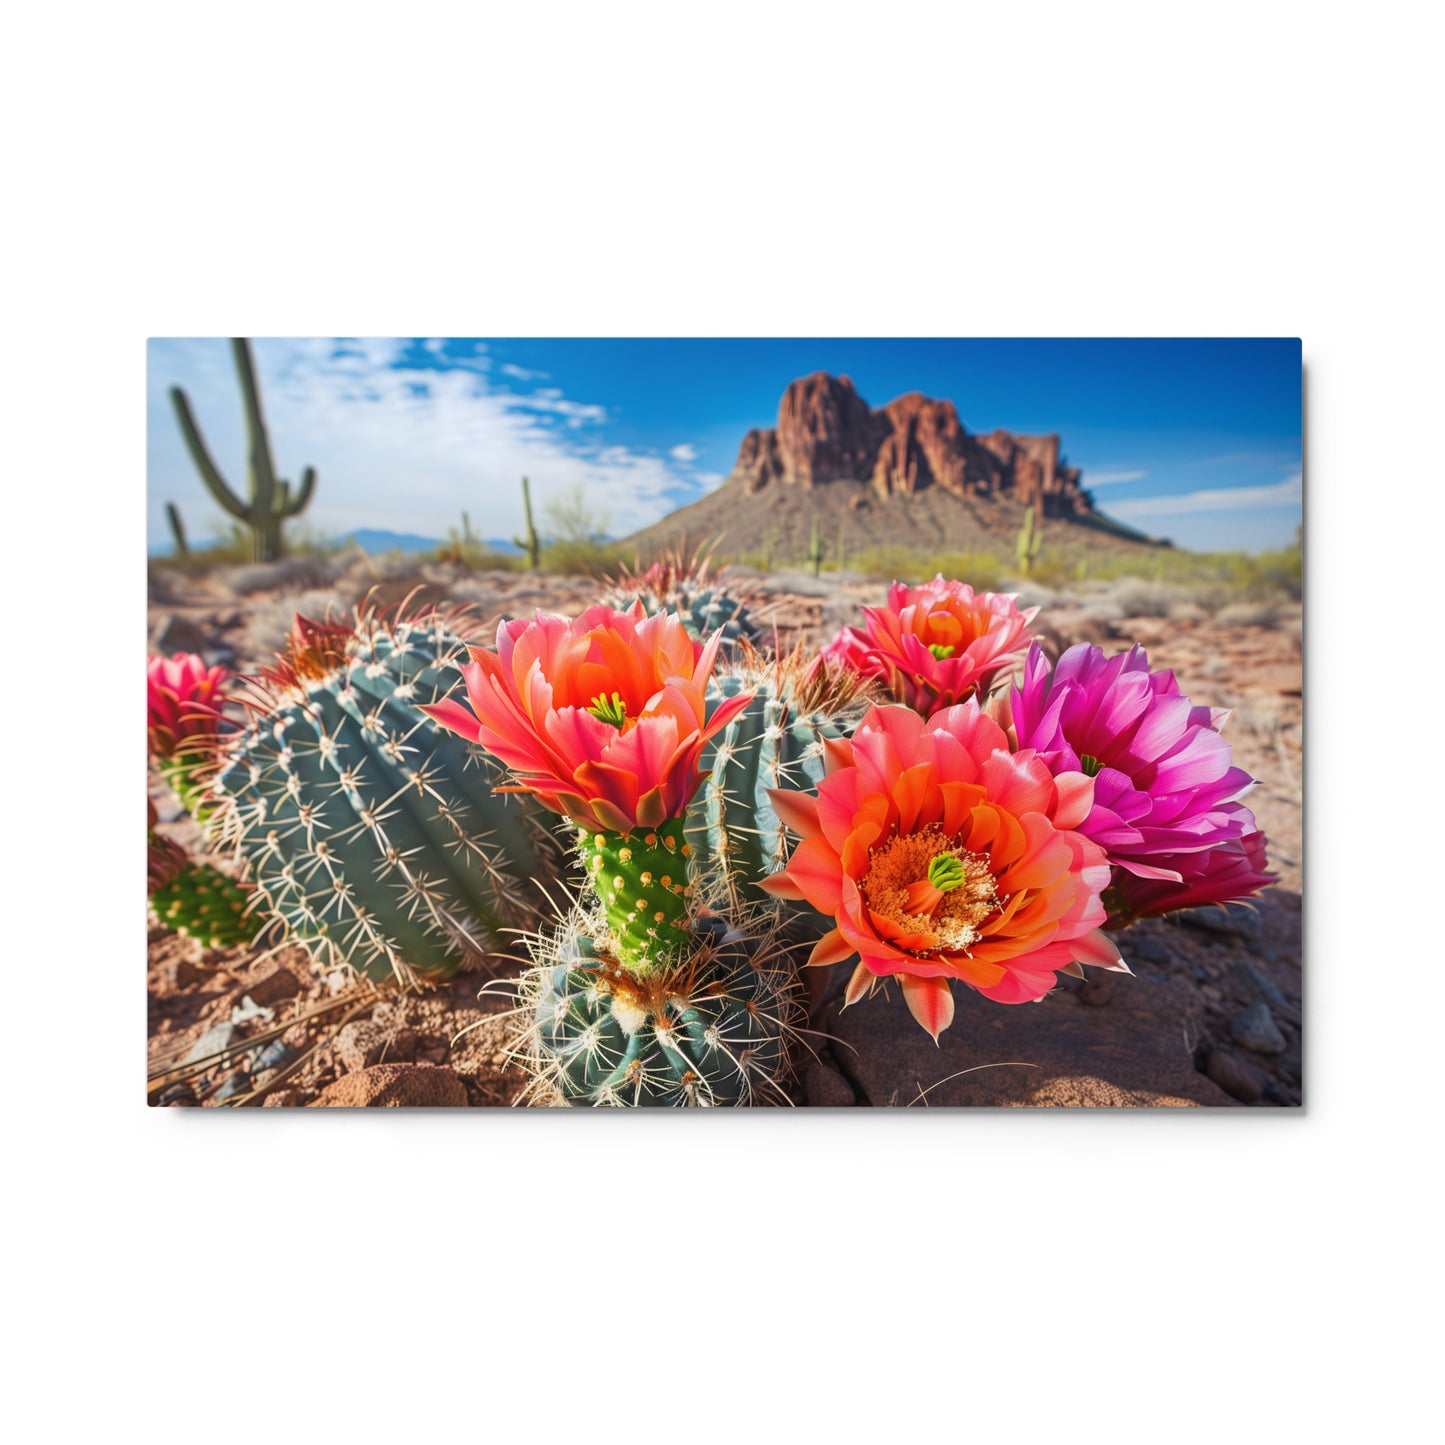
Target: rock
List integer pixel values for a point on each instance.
(177, 634)
(1145, 948)
(824, 1087)
(1250, 982)
(827, 433)
(1256, 1029)
(282, 1099)
(181, 973)
(222, 1036)
(177, 1096)
(275, 987)
(1058, 1052)
(1097, 990)
(395, 1086)
(231, 1085)
(373, 1041)
(1232, 922)
(275, 1055)
(1238, 1079)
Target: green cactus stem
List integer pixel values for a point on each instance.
(178, 530)
(531, 544)
(1029, 544)
(201, 902)
(270, 501)
(641, 880)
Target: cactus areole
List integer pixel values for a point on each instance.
(641, 879)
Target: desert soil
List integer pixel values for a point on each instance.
(1211, 1016)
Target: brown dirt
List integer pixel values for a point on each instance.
(1161, 1037)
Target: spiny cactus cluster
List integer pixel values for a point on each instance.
(683, 585)
(778, 741)
(194, 899)
(711, 1027)
(373, 834)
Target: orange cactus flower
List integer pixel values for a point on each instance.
(603, 717)
(942, 855)
(937, 644)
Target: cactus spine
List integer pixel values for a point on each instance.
(372, 833)
(702, 603)
(178, 530)
(531, 544)
(269, 500)
(1029, 544)
(817, 553)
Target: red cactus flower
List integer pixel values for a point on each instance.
(943, 856)
(603, 718)
(183, 703)
(936, 645)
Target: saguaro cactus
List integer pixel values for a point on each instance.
(531, 544)
(178, 529)
(817, 553)
(1029, 544)
(270, 500)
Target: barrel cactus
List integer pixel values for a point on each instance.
(372, 834)
(779, 740)
(702, 602)
(711, 1027)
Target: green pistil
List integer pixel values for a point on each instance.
(641, 878)
(1090, 764)
(941, 650)
(610, 710)
(946, 873)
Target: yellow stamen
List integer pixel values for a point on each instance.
(903, 886)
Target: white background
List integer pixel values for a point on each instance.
(311, 169)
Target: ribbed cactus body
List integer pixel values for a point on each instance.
(735, 834)
(371, 832)
(200, 902)
(711, 1029)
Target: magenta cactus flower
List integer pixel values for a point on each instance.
(1166, 793)
(183, 703)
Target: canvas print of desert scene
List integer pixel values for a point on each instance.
(724, 723)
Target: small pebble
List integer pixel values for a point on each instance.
(1257, 1031)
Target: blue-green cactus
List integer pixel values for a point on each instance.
(703, 603)
(734, 833)
(712, 1028)
(373, 834)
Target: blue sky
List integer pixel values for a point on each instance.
(1196, 440)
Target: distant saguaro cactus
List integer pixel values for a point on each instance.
(531, 544)
(1029, 544)
(269, 499)
(817, 553)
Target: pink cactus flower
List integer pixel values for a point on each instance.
(183, 704)
(1166, 794)
(603, 717)
(943, 856)
(937, 644)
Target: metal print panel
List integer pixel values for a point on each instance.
(724, 723)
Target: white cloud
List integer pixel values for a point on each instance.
(406, 448)
(683, 453)
(1108, 479)
(1287, 493)
(521, 373)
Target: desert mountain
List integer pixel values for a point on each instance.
(908, 474)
